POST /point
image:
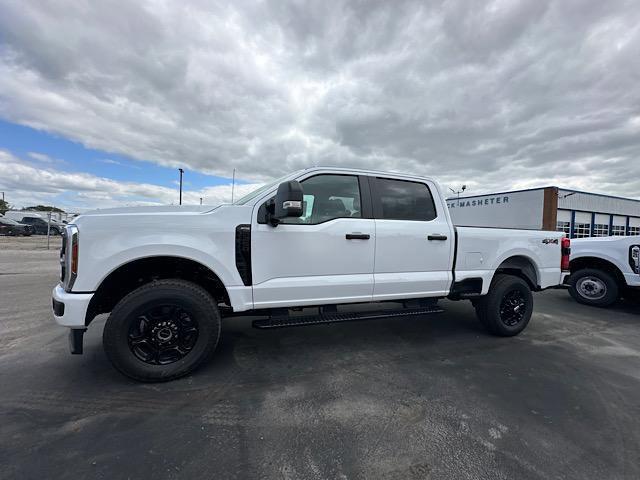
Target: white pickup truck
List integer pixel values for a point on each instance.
(319, 237)
(603, 269)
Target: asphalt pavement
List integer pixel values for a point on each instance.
(416, 398)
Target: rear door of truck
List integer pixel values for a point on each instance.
(414, 239)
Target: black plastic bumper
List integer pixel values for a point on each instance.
(58, 308)
(75, 340)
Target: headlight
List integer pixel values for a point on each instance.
(69, 257)
(634, 258)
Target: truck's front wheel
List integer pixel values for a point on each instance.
(162, 331)
(591, 286)
(506, 309)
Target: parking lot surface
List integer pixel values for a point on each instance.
(432, 397)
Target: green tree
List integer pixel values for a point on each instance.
(43, 208)
(4, 206)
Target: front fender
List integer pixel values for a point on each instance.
(107, 242)
(90, 282)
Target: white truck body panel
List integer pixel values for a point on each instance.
(407, 263)
(306, 264)
(482, 250)
(614, 250)
(297, 265)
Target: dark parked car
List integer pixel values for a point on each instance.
(11, 227)
(40, 226)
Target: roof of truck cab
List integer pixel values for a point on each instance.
(366, 171)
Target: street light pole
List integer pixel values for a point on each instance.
(233, 184)
(458, 192)
(181, 172)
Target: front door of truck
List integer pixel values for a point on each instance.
(414, 240)
(325, 256)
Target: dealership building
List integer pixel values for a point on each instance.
(579, 214)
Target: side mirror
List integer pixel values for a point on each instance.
(288, 202)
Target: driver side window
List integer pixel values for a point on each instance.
(327, 197)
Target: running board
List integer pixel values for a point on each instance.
(281, 321)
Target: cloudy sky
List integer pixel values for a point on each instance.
(101, 102)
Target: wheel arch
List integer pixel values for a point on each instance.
(136, 273)
(599, 264)
(520, 266)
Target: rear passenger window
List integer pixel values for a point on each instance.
(404, 200)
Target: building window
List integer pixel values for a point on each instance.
(634, 230)
(600, 230)
(563, 227)
(618, 230)
(582, 230)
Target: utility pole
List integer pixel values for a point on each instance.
(458, 192)
(233, 184)
(181, 172)
(49, 226)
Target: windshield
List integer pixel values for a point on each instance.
(8, 221)
(251, 195)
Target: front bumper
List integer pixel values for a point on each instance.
(70, 309)
(632, 279)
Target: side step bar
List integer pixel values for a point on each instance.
(284, 320)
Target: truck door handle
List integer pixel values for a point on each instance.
(357, 236)
(436, 236)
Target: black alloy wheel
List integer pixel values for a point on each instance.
(507, 307)
(162, 330)
(163, 334)
(512, 308)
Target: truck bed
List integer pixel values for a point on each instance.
(480, 251)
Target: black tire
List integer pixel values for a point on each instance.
(595, 287)
(506, 310)
(132, 319)
(632, 295)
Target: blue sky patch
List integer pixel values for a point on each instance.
(60, 154)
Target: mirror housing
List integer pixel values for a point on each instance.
(288, 202)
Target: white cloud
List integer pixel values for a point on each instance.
(495, 95)
(74, 191)
(44, 158)
(110, 161)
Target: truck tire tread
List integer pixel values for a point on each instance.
(209, 322)
(611, 296)
(488, 306)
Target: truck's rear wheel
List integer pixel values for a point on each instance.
(591, 286)
(507, 308)
(162, 331)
